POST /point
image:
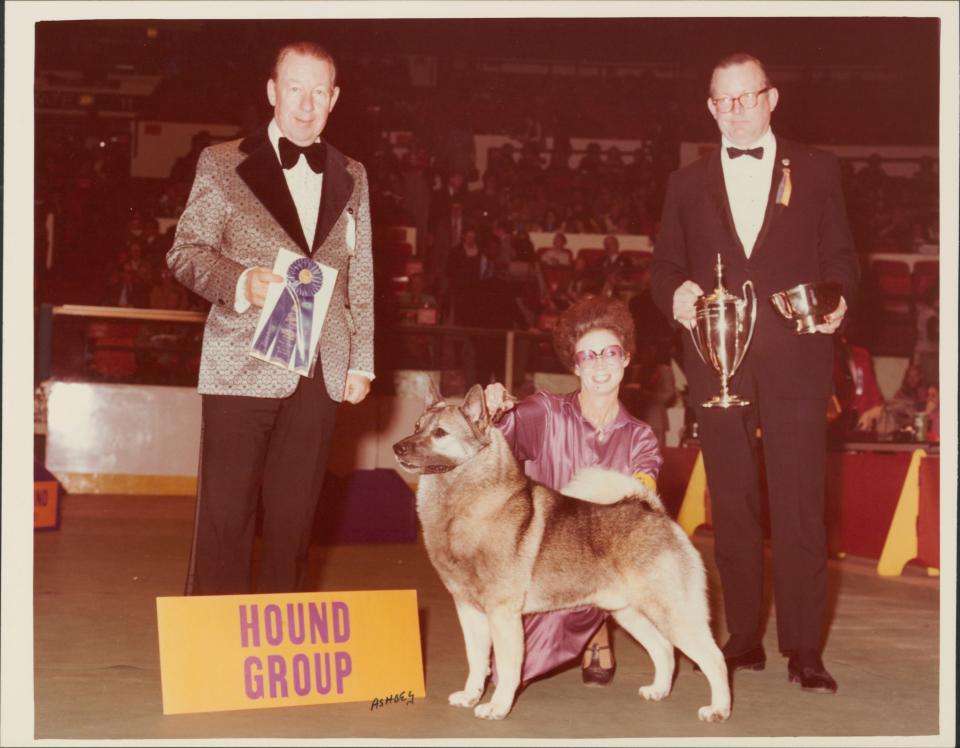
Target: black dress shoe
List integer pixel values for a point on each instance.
(806, 668)
(595, 674)
(753, 659)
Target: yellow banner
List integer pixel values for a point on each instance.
(225, 652)
(45, 501)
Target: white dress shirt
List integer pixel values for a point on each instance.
(306, 187)
(747, 180)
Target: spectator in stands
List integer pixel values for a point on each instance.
(855, 385)
(658, 389)
(415, 191)
(614, 261)
(872, 176)
(926, 351)
(155, 245)
(416, 295)
(502, 242)
(463, 274)
(446, 226)
(139, 264)
(558, 254)
(185, 167)
(523, 248)
(580, 221)
(484, 204)
(898, 414)
(897, 234)
(551, 221)
(458, 152)
(592, 161)
(614, 169)
(530, 130)
(125, 288)
(933, 413)
(166, 293)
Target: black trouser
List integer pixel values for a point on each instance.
(794, 451)
(253, 448)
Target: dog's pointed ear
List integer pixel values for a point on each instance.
(432, 395)
(475, 406)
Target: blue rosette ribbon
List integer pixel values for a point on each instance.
(286, 334)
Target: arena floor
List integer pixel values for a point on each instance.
(97, 671)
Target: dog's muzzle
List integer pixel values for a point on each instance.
(402, 450)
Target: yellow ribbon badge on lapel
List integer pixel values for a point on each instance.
(786, 186)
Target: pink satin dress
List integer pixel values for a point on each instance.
(550, 434)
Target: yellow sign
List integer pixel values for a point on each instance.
(225, 652)
(45, 500)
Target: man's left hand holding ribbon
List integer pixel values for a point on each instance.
(258, 283)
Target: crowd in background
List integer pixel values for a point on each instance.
(99, 237)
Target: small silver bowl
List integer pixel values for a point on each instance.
(807, 304)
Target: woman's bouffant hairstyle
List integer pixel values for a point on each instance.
(592, 313)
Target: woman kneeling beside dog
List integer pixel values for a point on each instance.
(554, 436)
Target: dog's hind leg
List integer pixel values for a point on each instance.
(658, 647)
(476, 639)
(694, 639)
(507, 629)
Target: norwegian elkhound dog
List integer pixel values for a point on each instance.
(505, 545)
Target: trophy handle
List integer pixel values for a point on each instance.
(696, 343)
(781, 304)
(749, 292)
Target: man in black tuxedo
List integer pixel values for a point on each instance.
(775, 212)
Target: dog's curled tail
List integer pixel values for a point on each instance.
(600, 486)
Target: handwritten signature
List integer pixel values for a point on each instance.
(394, 698)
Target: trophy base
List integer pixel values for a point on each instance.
(730, 401)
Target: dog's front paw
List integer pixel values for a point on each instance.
(491, 711)
(654, 693)
(464, 698)
(712, 714)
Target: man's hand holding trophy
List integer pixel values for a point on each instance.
(721, 324)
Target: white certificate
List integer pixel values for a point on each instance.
(288, 331)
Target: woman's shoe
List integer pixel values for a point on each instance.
(595, 674)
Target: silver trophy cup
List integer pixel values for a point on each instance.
(722, 331)
(808, 304)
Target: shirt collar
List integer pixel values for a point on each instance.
(572, 400)
(767, 141)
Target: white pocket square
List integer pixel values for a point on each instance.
(351, 232)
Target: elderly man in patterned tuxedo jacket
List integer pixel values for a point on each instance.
(266, 430)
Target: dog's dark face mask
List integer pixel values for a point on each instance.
(446, 436)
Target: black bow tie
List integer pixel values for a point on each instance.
(757, 153)
(316, 154)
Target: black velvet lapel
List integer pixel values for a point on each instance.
(337, 188)
(774, 210)
(263, 174)
(718, 195)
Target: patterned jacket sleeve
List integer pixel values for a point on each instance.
(360, 289)
(196, 258)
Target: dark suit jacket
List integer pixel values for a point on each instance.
(807, 240)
